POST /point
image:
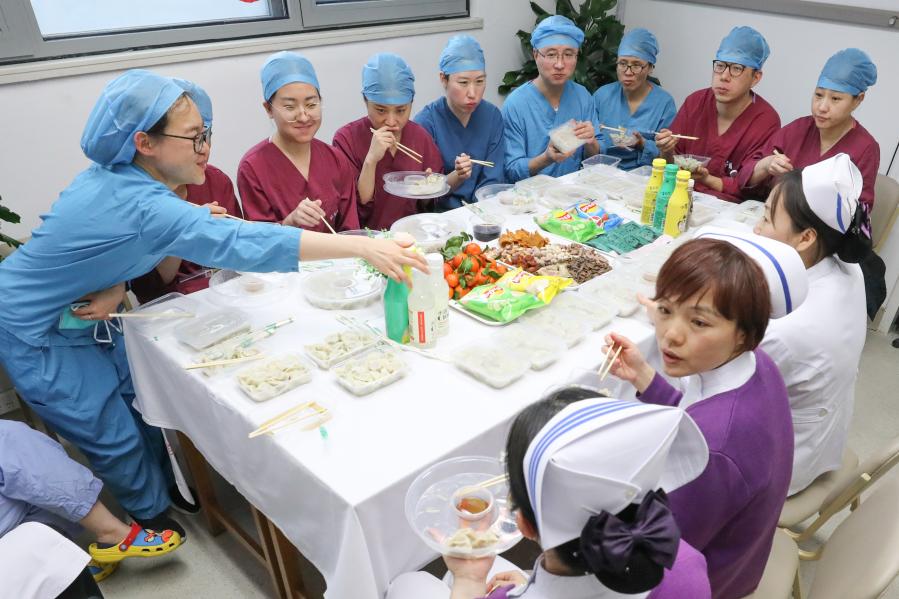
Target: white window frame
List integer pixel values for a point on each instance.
(21, 40)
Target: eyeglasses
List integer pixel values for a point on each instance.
(292, 115)
(634, 67)
(553, 56)
(203, 137)
(719, 66)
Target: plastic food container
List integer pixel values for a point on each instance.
(644, 171)
(612, 292)
(343, 288)
(564, 139)
(491, 363)
(370, 371)
(558, 324)
(232, 288)
(601, 160)
(339, 346)
(433, 511)
(431, 231)
(416, 185)
(536, 185)
(541, 351)
(487, 226)
(170, 303)
(516, 201)
(701, 215)
(594, 315)
(690, 162)
(563, 196)
(271, 377)
(624, 140)
(489, 192)
(202, 332)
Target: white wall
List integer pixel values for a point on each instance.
(689, 35)
(41, 121)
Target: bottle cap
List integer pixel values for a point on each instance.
(683, 175)
(671, 168)
(435, 262)
(658, 163)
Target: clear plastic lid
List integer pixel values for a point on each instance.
(601, 161)
(233, 288)
(563, 196)
(564, 138)
(595, 315)
(339, 346)
(212, 328)
(416, 185)
(370, 371)
(541, 350)
(431, 231)
(439, 499)
(558, 323)
(536, 184)
(491, 363)
(344, 288)
(273, 376)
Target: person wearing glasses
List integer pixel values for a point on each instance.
(370, 143)
(633, 103)
(463, 124)
(116, 221)
(731, 121)
(172, 274)
(830, 130)
(291, 177)
(551, 100)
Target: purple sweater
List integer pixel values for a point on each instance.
(688, 578)
(730, 512)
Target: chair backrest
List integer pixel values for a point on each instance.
(861, 557)
(875, 466)
(886, 200)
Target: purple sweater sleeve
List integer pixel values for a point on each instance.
(660, 392)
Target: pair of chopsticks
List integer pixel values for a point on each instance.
(404, 149)
(166, 314)
(607, 363)
(490, 482)
(618, 129)
(474, 208)
(678, 136)
(486, 163)
(294, 416)
(227, 362)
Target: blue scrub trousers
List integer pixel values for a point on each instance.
(84, 393)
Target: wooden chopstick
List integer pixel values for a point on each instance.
(286, 414)
(327, 224)
(618, 129)
(232, 217)
(486, 163)
(678, 136)
(223, 362)
(404, 149)
(490, 482)
(166, 314)
(289, 418)
(603, 373)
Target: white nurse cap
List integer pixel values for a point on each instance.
(783, 268)
(832, 188)
(604, 454)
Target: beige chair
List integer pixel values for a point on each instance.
(859, 561)
(812, 499)
(886, 208)
(840, 491)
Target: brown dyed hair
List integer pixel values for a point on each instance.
(737, 284)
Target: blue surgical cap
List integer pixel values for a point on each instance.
(462, 53)
(557, 31)
(200, 98)
(745, 46)
(283, 68)
(132, 102)
(850, 71)
(387, 79)
(640, 43)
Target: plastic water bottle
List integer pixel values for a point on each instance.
(441, 293)
(422, 311)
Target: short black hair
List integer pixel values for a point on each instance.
(163, 122)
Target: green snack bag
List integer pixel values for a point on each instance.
(569, 225)
(499, 303)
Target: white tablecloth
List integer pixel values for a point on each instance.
(340, 499)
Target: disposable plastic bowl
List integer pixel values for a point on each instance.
(691, 162)
(488, 192)
(347, 288)
(432, 511)
(431, 231)
(416, 185)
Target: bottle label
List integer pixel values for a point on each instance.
(423, 325)
(443, 321)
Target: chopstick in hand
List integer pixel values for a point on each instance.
(486, 163)
(327, 224)
(404, 149)
(607, 363)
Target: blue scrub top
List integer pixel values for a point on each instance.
(655, 112)
(482, 139)
(113, 224)
(529, 119)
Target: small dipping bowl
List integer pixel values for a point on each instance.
(473, 504)
(487, 227)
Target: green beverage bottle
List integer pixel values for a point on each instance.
(396, 309)
(652, 190)
(661, 209)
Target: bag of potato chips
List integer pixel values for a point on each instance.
(499, 303)
(544, 287)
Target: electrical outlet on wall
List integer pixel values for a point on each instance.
(8, 401)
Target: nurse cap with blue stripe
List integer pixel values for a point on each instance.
(832, 188)
(783, 268)
(601, 455)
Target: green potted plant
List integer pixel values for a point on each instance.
(7, 215)
(599, 52)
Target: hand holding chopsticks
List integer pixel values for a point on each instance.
(486, 163)
(404, 149)
(620, 130)
(677, 136)
(608, 361)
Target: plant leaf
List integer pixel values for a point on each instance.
(9, 216)
(538, 10)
